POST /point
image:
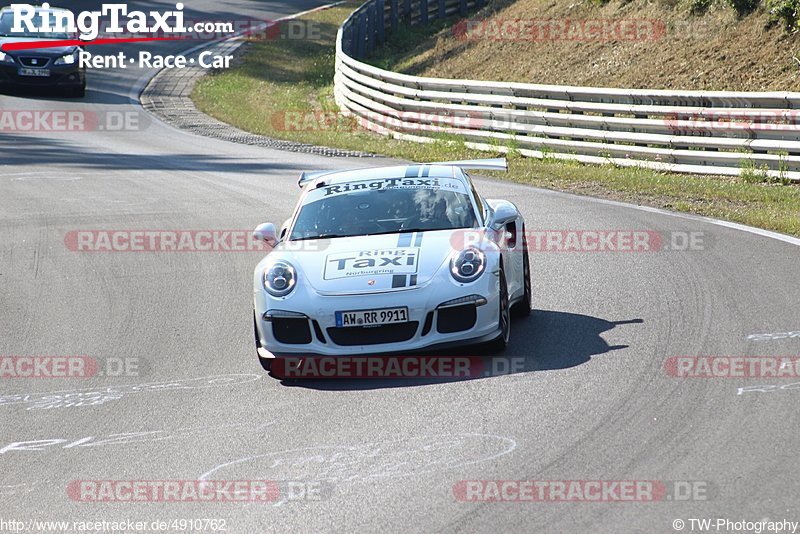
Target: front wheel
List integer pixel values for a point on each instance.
(523, 307)
(504, 318)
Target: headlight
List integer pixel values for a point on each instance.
(69, 59)
(468, 265)
(280, 279)
(5, 58)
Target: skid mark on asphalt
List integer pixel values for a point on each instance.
(769, 388)
(774, 336)
(129, 438)
(366, 462)
(101, 395)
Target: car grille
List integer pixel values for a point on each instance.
(456, 319)
(35, 62)
(373, 335)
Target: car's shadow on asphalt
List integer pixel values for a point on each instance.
(544, 341)
(46, 93)
(110, 92)
(22, 149)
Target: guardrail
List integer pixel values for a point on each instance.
(705, 132)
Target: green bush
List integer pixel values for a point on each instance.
(743, 7)
(785, 11)
(699, 7)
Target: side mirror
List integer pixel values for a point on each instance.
(266, 233)
(504, 213)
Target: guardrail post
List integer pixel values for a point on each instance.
(347, 39)
(393, 14)
(360, 37)
(380, 19)
(423, 11)
(442, 13)
(370, 29)
(462, 7)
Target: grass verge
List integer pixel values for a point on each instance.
(284, 89)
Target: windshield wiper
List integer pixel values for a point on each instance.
(412, 230)
(320, 236)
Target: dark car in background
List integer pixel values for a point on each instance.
(58, 68)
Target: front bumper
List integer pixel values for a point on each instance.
(311, 330)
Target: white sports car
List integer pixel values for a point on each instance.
(391, 260)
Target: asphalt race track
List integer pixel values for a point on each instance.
(592, 400)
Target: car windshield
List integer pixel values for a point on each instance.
(7, 24)
(384, 206)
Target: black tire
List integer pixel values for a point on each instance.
(265, 363)
(500, 343)
(523, 307)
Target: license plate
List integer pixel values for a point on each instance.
(371, 317)
(39, 73)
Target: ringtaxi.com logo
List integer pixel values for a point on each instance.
(118, 22)
(608, 491)
(48, 367)
(87, 24)
(588, 240)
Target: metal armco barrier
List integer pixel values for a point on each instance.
(709, 132)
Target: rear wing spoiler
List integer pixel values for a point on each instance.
(490, 164)
(306, 177)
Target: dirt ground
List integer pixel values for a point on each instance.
(636, 44)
